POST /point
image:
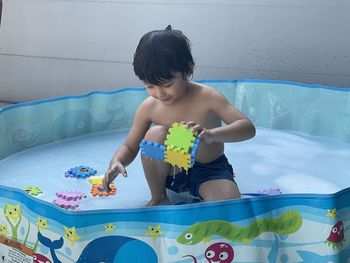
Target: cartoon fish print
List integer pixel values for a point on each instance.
(154, 231)
(71, 235)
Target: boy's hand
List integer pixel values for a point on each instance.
(203, 134)
(114, 169)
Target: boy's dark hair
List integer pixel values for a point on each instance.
(162, 53)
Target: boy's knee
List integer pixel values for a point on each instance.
(156, 133)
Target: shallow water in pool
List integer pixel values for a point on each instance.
(292, 162)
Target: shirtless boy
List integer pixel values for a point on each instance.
(163, 61)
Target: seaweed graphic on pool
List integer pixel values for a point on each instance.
(287, 223)
(13, 215)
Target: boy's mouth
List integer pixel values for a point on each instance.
(165, 99)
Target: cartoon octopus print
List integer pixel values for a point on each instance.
(217, 253)
(336, 236)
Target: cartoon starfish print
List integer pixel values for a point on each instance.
(71, 235)
(41, 223)
(3, 230)
(110, 228)
(154, 231)
(331, 213)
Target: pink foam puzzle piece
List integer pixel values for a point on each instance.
(71, 204)
(71, 195)
(271, 191)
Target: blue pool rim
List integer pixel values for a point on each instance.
(303, 85)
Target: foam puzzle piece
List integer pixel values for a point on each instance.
(194, 150)
(152, 150)
(98, 190)
(180, 136)
(181, 148)
(67, 204)
(73, 195)
(33, 190)
(271, 191)
(177, 157)
(96, 179)
(81, 171)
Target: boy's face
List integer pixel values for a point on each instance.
(170, 91)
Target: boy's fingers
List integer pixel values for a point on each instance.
(104, 182)
(190, 123)
(202, 134)
(122, 170)
(197, 128)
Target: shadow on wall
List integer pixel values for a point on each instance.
(0, 10)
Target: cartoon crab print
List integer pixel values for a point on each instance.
(38, 258)
(336, 236)
(219, 253)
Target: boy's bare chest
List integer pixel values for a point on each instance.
(168, 115)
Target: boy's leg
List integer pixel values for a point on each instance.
(156, 172)
(219, 189)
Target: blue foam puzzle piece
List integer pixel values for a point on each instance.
(153, 150)
(81, 171)
(194, 150)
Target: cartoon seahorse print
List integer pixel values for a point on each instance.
(287, 223)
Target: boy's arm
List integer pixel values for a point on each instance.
(238, 128)
(128, 151)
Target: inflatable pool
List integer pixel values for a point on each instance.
(293, 174)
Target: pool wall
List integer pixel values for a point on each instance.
(283, 228)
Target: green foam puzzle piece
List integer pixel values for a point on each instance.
(180, 136)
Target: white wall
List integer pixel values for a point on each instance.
(59, 47)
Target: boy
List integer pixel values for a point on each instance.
(163, 61)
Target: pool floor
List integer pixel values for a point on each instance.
(292, 162)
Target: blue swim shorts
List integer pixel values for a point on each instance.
(200, 173)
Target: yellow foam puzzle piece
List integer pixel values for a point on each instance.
(178, 157)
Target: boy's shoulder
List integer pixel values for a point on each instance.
(149, 102)
(200, 87)
(205, 90)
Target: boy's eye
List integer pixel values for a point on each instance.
(149, 86)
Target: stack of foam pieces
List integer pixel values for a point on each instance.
(179, 149)
(97, 188)
(68, 200)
